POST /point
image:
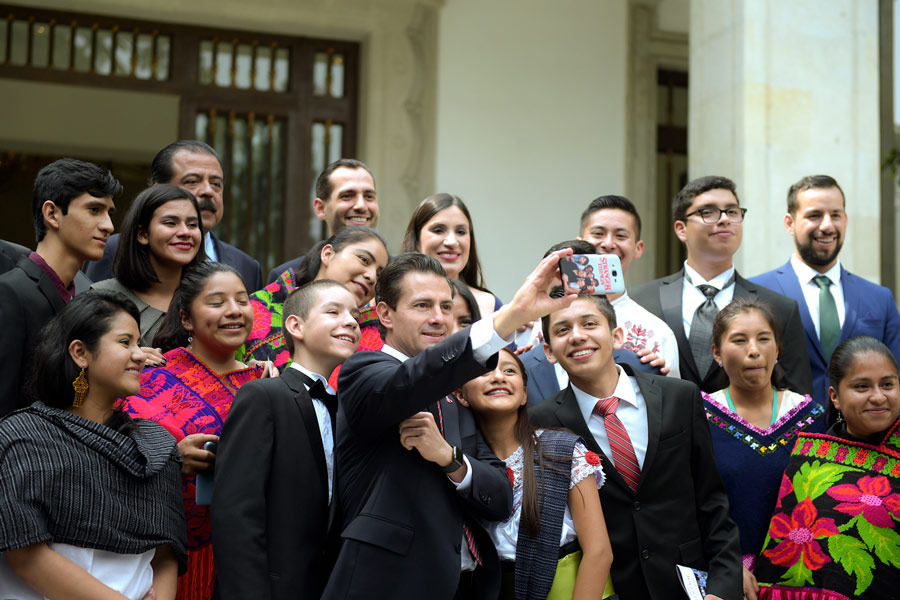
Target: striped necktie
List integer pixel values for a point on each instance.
(619, 442)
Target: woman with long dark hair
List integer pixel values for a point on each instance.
(555, 502)
(90, 500)
(442, 227)
(209, 319)
(354, 257)
(835, 532)
(162, 236)
(754, 421)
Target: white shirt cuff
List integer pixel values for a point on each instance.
(466, 483)
(485, 341)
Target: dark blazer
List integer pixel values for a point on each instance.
(542, 381)
(663, 298)
(294, 263)
(99, 270)
(270, 511)
(679, 514)
(869, 309)
(403, 518)
(28, 300)
(10, 254)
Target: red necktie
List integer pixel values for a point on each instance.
(467, 531)
(619, 442)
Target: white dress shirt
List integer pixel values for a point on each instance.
(805, 275)
(632, 412)
(485, 343)
(210, 248)
(644, 330)
(324, 420)
(691, 297)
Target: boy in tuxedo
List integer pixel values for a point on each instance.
(663, 499)
(273, 501)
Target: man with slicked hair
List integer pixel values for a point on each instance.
(196, 167)
(834, 303)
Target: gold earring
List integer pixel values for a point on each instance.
(81, 387)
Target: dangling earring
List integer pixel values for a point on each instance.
(190, 342)
(840, 418)
(81, 387)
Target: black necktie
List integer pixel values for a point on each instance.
(317, 391)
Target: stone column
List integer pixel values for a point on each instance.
(780, 90)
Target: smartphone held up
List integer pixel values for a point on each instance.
(592, 274)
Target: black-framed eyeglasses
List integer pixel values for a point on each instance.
(712, 214)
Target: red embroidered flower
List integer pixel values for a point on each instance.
(592, 458)
(786, 488)
(861, 457)
(262, 320)
(798, 535)
(511, 475)
(871, 496)
(824, 447)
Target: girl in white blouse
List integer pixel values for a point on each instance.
(498, 401)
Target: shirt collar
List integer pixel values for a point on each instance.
(65, 292)
(717, 282)
(805, 273)
(313, 376)
(210, 247)
(621, 300)
(391, 351)
(624, 391)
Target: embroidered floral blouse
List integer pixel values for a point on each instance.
(504, 534)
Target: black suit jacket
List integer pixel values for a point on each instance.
(28, 300)
(662, 297)
(10, 254)
(679, 514)
(403, 518)
(99, 270)
(270, 511)
(294, 263)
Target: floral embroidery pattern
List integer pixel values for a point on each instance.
(799, 533)
(638, 338)
(838, 509)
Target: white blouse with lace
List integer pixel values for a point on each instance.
(505, 533)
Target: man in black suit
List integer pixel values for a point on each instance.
(709, 220)
(272, 507)
(407, 478)
(663, 500)
(72, 207)
(196, 167)
(345, 195)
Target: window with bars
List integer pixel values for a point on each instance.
(278, 109)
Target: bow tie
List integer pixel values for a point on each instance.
(317, 391)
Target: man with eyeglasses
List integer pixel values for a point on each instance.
(709, 221)
(834, 304)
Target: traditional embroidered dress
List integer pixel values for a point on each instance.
(266, 341)
(505, 535)
(834, 534)
(104, 499)
(185, 396)
(751, 461)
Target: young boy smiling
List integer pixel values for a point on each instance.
(271, 510)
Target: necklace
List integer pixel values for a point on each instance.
(774, 403)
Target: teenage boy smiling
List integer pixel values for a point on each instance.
(274, 488)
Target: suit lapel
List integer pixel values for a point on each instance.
(670, 301)
(310, 421)
(568, 413)
(35, 272)
(653, 398)
(790, 287)
(852, 302)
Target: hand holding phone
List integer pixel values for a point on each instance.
(593, 274)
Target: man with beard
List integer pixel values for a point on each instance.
(196, 167)
(834, 303)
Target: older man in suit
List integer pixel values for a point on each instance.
(196, 167)
(411, 484)
(663, 500)
(72, 207)
(709, 220)
(834, 303)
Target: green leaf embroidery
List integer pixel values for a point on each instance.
(851, 554)
(812, 480)
(798, 575)
(885, 542)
